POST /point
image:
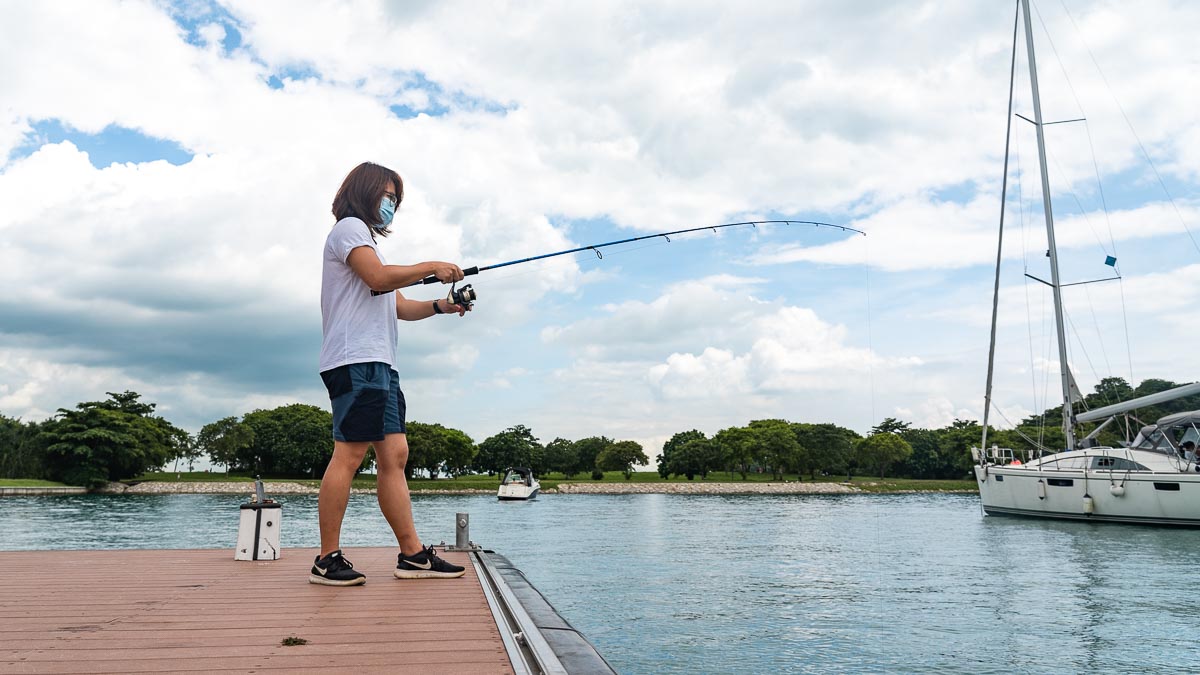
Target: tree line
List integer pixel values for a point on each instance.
(93, 443)
(122, 437)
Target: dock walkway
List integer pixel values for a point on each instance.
(199, 611)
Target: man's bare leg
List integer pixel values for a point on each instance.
(335, 492)
(391, 455)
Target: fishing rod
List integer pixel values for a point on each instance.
(466, 295)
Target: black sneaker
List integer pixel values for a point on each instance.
(425, 565)
(334, 570)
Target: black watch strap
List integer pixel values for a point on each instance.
(436, 308)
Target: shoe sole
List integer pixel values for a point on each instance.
(427, 574)
(315, 579)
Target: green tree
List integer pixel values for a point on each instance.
(926, 458)
(291, 440)
(621, 456)
(11, 433)
(424, 448)
(736, 446)
(881, 450)
(185, 448)
(776, 446)
(459, 451)
(22, 452)
(956, 443)
(515, 446)
(149, 430)
(101, 441)
(825, 447)
(890, 425)
(1108, 391)
(1044, 429)
(668, 463)
(561, 456)
(586, 452)
(1153, 385)
(434, 448)
(225, 440)
(697, 456)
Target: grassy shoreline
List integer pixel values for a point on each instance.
(866, 484)
(552, 481)
(30, 482)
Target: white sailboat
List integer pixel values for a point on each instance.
(1151, 481)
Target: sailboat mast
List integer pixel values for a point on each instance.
(1055, 286)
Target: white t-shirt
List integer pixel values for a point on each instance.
(357, 327)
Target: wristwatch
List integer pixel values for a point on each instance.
(436, 308)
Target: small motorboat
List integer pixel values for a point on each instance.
(518, 483)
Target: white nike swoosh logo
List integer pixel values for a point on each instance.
(321, 571)
(428, 564)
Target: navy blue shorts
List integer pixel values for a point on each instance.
(367, 401)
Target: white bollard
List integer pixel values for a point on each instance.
(258, 530)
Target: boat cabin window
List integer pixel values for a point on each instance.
(515, 478)
(1115, 464)
(1186, 433)
(1166, 440)
(1159, 441)
(1153, 441)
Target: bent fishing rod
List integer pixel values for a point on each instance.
(466, 295)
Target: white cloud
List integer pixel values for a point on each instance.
(793, 350)
(716, 373)
(934, 413)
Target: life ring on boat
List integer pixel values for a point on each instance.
(1015, 462)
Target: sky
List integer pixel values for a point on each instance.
(167, 171)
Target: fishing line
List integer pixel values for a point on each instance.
(870, 342)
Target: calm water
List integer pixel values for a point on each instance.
(685, 584)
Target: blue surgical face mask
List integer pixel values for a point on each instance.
(387, 209)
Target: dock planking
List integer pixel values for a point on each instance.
(188, 611)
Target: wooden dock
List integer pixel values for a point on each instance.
(199, 611)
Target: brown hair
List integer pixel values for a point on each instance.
(363, 190)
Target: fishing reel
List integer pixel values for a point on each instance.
(464, 297)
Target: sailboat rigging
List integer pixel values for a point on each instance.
(1152, 480)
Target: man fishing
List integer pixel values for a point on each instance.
(360, 305)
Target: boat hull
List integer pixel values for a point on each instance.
(512, 494)
(1154, 498)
